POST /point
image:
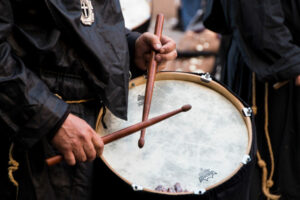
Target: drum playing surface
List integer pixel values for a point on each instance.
(197, 149)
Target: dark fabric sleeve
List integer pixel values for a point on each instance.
(131, 38)
(265, 41)
(27, 108)
(57, 126)
(214, 17)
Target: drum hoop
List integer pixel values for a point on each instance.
(196, 79)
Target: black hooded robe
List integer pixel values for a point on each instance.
(265, 40)
(46, 50)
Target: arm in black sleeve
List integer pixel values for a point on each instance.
(266, 42)
(27, 107)
(131, 39)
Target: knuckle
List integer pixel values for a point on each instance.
(83, 136)
(70, 159)
(70, 162)
(91, 156)
(81, 158)
(175, 54)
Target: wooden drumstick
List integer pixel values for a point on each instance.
(152, 68)
(127, 131)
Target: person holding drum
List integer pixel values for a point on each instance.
(60, 62)
(263, 67)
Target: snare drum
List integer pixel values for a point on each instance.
(209, 150)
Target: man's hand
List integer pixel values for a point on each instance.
(147, 42)
(77, 141)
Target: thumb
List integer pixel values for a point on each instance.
(153, 41)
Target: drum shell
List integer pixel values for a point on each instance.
(237, 187)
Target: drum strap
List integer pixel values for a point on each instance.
(75, 101)
(267, 183)
(14, 166)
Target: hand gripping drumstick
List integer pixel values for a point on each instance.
(127, 131)
(152, 68)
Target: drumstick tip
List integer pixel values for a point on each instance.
(141, 142)
(186, 107)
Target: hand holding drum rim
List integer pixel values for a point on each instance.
(76, 145)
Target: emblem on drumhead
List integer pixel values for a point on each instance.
(206, 174)
(87, 13)
(140, 100)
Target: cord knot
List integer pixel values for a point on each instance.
(262, 163)
(270, 183)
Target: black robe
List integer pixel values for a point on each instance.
(265, 39)
(45, 49)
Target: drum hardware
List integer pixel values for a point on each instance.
(247, 112)
(200, 192)
(127, 131)
(246, 159)
(152, 68)
(206, 77)
(137, 187)
(130, 75)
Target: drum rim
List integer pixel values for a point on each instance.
(214, 85)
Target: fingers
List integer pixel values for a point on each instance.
(147, 42)
(169, 45)
(165, 45)
(70, 158)
(86, 150)
(92, 146)
(79, 154)
(98, 144)
(165, 57)
(166, 48)
(77, 141)
(89, 151)
(152, 40)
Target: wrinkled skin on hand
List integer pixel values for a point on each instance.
(147, 42)
(77, 141)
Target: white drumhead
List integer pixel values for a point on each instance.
(198, 148)
(135, 12)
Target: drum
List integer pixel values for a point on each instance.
(207, 150)
(137, 14)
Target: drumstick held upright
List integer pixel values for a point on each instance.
(152, 68)
(127, 131)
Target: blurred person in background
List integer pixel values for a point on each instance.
(262, 66)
